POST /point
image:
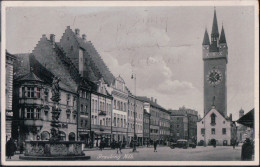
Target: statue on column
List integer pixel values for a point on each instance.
(55, 89)
(55, 124)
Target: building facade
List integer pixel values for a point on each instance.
(33, 104)
(101, 112)
(164, 130)
(215, 128)
(137, 114)
(146, 127)
(95, 73)
(184, 124)
(159, 120)
(9, 61)
(120, 108)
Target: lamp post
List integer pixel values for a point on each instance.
(134, 146)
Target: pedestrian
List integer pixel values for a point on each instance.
(247, 150)
(101, 145)
(234, 144)
(10, 148)
(119, 147)
(155, 146)
(21, 147)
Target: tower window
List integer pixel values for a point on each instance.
(213, 131)
(202, 131)
(213, 119)
(224, 131)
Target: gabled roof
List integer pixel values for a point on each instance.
(213, 109)
(30, 77)
(21, 65)
(96, 59)
(146, 99)
(120, 79)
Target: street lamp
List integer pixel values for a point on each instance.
(134, 146)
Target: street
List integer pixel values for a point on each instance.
(200, 153)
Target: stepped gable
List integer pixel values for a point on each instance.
(97, 60)
(21, 65)
(67, 62)
(92, 72)
(53, 59)
(74, 72)
(146, 99)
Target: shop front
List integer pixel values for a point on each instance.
(84, 135)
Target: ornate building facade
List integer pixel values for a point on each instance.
(33, 104)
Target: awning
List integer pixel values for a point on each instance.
(247, 119)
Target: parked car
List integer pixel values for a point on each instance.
(182, 144)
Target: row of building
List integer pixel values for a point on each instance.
(94, 104)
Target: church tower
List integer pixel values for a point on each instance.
(215, 57)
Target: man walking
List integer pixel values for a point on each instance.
(155, 145)
(119, 147)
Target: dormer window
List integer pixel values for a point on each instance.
(213, 119)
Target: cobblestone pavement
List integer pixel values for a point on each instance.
(220, 153)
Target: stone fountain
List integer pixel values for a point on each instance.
(54, 149)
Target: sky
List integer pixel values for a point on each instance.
(161, 45)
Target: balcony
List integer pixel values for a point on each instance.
(83, 113)
(33, 122)
(102, 113)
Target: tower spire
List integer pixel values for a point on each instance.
(222, 36)
(206, 38)
(215, 25)
(214, 34)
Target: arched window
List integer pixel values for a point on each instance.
(71, 136)
(213, 119)
(62, 136)
(45, 135)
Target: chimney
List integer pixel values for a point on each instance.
(77, 32)
(52, 38)
(155, 100)
(230, 117)
(84, 37)
(152, 99)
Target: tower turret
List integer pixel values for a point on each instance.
(222, 39)
(223, 48)
(206, 38)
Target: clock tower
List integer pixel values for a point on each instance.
(215, 57)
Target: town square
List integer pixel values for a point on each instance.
(129, 83)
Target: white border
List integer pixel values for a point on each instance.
(129, 3)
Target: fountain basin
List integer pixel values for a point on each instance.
(53, 150)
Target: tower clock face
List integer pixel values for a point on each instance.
(214, 77)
